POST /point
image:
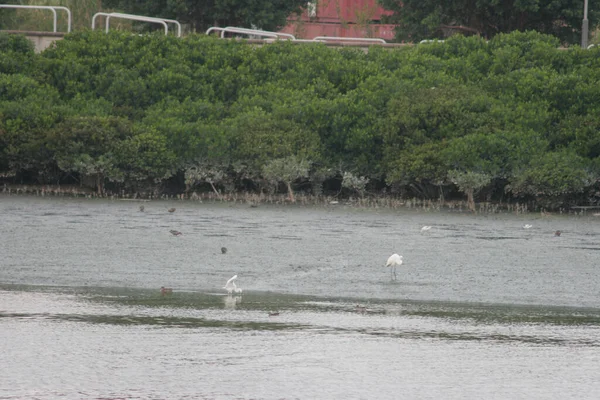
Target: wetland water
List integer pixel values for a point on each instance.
(482, 307)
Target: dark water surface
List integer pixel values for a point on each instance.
(482, 308)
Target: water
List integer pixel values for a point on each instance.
(482, 308)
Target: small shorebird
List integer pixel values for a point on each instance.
(527, 226)
(360, 309)
(164, 291)
(557, 233)
(171, 210)
(175, 233)
(142, 208)
(425, 228)
(223, 250)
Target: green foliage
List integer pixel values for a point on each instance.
(145, 156)
(265, 14)
(18, 44)
(16, 53)
(132, 111)
(213, 174)
(16, 87)
(427, 19)
(89, 146)
(417, 163)
(28, 110)
(258, 137)
(355, 183)
(469, 182)
(553, 174)
(286, 169)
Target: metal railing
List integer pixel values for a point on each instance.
(250, 32)
(51, 8)
(279, 35)
(161, 21)
(349, 39)
(168, 21)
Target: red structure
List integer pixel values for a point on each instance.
(340, 18)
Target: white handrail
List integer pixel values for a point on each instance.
(161, 21)
(98, 14)
(51, 8)
(271, 40)
(172, 21)
(213, 28)
(375, 40)
(246, 31)
(253, 32)
(136, 18)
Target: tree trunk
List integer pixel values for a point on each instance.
(291, 192)
(215, 189)
(470, 200)
(100, 184)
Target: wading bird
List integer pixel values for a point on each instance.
(231, 287)
(392, 262)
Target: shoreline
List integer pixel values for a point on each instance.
(301, 199)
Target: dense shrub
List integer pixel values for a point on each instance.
(517, 113)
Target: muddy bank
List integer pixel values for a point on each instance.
(301, 199)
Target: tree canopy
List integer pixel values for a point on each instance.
(514, 117)
(202, 14)
(429, 19)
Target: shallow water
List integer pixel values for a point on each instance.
(482, 308)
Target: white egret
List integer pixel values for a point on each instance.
(236, 289)
(231, 287)
(392, 262)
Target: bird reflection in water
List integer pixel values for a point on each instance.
(231, 302)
